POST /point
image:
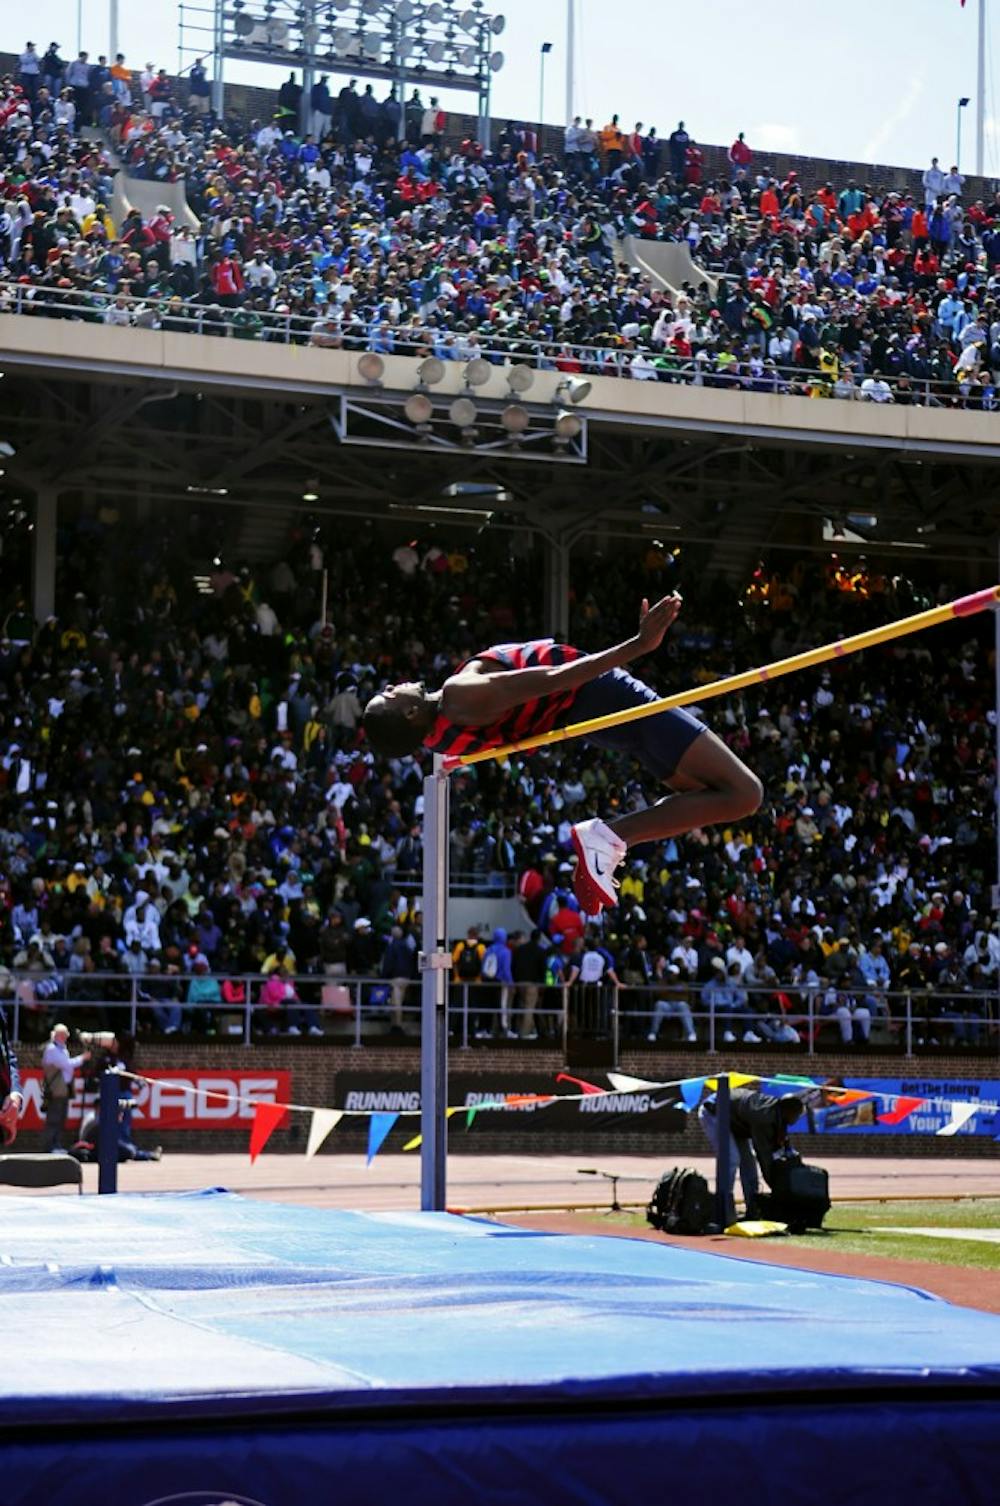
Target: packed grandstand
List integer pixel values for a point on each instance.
(187, 799)
(381, 231)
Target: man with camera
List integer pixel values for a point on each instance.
(58, 1071)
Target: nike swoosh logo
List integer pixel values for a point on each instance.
(597, 866)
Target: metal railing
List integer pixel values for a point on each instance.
(351, 1007)
(90, 306)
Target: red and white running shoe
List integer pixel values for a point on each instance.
(598, 854)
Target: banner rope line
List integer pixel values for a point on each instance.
(544, 1100)
(963, 606)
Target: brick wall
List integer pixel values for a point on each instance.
(315, 1067)
(248, 102)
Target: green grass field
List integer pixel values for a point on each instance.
(863, 1229)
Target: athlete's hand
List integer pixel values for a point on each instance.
(655, 621)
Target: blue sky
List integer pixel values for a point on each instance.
(871, 80)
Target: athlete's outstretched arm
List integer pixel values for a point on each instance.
(479, 695)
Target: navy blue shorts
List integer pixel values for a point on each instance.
(658, 742)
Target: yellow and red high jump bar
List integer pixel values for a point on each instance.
(964, 606)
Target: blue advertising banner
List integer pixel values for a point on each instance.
(888, 1114)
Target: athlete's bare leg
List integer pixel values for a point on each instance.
(709, 786)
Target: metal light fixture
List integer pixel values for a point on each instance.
(573, 389)
(520, 378)
(469, 21)
(419, 409)
(497, 25)
(496, 61)
(434, 14)
(477, 372)
(372, 368)
(567, 425)
(430, 371)
(515, 419)
(462, 413)
(436, 51)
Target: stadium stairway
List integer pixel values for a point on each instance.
(669, 263)
(138, 193)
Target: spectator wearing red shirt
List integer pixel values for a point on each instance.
(227, 281)
(739, 153)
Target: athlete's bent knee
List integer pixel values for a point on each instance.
(748, 793)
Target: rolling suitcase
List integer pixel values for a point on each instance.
(799, 1196)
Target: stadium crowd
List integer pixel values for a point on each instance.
(186, 796)
(378, 230)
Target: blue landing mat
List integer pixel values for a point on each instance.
(241, 1350)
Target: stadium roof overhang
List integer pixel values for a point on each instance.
(172, 431)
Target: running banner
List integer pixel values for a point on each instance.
(650, 1110)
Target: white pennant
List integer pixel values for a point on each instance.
(961, 1113)
(323, 1121)
(623, 1084)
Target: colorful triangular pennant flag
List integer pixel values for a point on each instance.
(902, 1109)
(691, 1090)
(323, 1121)
(266, 1118)
(736, 1080)
(625, 1084)
(379, 1126)
(419, 1139)
(961, 1113)
(585, 1087)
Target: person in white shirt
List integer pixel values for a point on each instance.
(686, 957)
(58, 1071)
(954, 182)
(933, 181)
(875, 389)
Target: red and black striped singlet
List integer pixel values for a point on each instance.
(536, 716)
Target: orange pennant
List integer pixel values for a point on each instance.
(266, 1118)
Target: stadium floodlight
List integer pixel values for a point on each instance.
(515, 419)
(520, 378)
(430, 371)
(462, 412)
(496, 61)
(372, 368)
(477, 372)
(371, 7)
(310, 34)
(405, 11)
(341, 4)
(244, 25)
(469, 20)
(341, 41)
(497, 25)
(567, 425)
(433, 15)
(436, 51)
(574, 389)
(466, 56)
(419, 409)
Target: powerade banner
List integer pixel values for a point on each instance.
(887, 1113)
(652, 1110)
(175, 1100)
